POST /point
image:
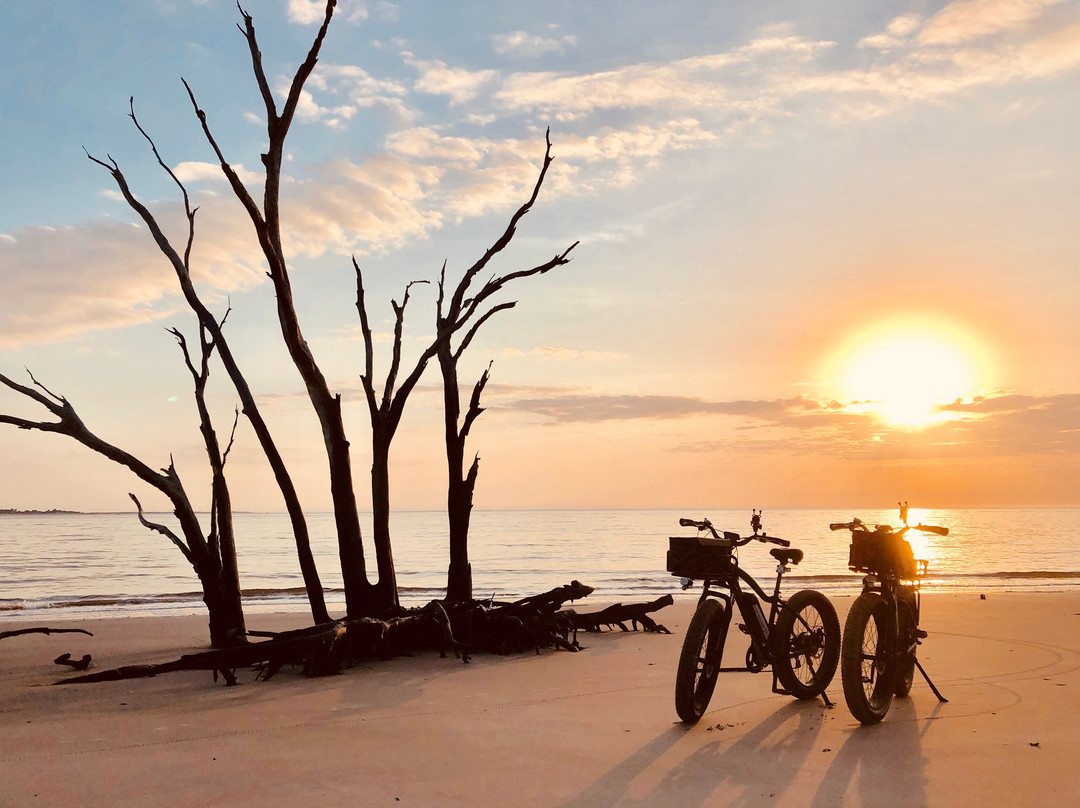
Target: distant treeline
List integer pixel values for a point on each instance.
(7, 511)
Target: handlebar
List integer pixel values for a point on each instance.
(858, 524)
(705, 524)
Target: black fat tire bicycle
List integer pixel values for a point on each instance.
(878, 653)
(800, 639)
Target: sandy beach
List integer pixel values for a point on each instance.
(596, 728)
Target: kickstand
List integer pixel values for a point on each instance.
(828, 701)
(937, 692)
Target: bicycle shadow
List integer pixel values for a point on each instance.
(886, 758)
(760, 764)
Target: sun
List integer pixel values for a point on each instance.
(904, 370)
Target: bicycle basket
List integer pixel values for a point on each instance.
(881, 553)
(698, 558)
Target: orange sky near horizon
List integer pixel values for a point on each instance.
(825, 259)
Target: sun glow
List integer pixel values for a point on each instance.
(904, 371)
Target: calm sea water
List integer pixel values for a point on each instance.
(70, 566)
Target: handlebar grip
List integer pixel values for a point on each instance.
(941, 531)
(684, 522)
(839, 526)
(781, 542)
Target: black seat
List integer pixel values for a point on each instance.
(786, 556)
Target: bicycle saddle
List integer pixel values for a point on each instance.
(787, 555)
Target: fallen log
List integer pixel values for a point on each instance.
(528, 624)
(620, 614)
(43, 630)
(321, 650)
(74, 664)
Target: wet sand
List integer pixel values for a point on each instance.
(596, 728)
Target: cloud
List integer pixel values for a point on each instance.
(965, 20)
(522, 43)
(1003, 425)
(196, 172)
(49, 297)
(312, 12)
(460, 84)
(595, 408)
(896, 33)
(351, 89)
(566, 354)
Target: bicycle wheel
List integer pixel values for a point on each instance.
(806, 644)
(866, 658)
(905, 669)
(699, 662)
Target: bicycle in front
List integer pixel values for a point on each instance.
(799, 640)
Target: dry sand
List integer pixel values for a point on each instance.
(597, 728)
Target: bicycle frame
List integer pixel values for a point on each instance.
(728, 591)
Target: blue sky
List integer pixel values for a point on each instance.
(828, 251)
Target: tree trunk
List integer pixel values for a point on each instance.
(385, 594)
(459, 490)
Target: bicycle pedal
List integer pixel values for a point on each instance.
(743, 628)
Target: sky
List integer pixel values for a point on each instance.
(828, 251)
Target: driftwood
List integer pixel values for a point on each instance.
(321, 650)
(43, 630)
(463, 627)
(75, 664)
(531, 623)
(620, 614)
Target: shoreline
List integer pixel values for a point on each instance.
(69, 609)
(562, 729)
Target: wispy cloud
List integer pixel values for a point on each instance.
(460, 84)
(1002, 425)
(566, 354)
(522, 43)
(966, 20)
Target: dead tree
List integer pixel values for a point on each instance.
(461, 311)
(226, 616)
(181, 265)
(361, 597)
(221, 540)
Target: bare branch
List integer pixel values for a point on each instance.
(230, 174)
(164, 531)
(476, 327)
(508, 234)
(395, 362)
(232, 437)
(497, 283)
(188, 210)
(475, 410)
(304, 71)
(256, 63)
(184, 350)
(48, 392)
(367, 378)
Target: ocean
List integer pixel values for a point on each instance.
(70, 566)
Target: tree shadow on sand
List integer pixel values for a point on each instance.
(882, 761)
(758, 765)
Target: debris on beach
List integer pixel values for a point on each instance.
(464, 627)
(75, 664)
(43, 630)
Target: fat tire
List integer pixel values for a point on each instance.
(905, 669)
(699, 662)
(868, 683)
(806, 612)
